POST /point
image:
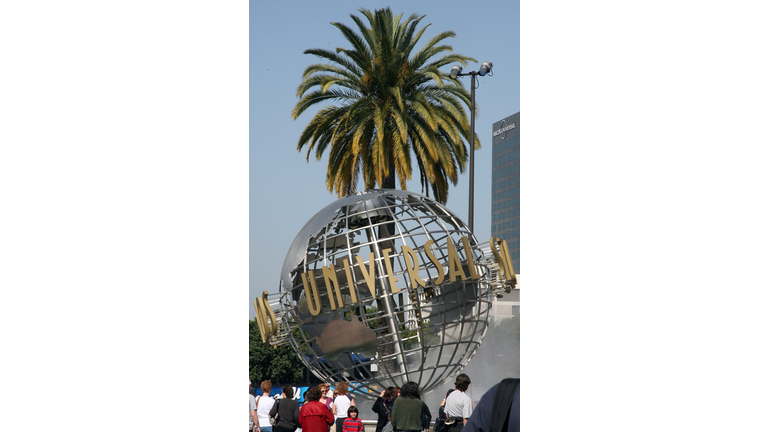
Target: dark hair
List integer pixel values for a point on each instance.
(449, 392)
(390, 394)
(313, 394)
(352, 409)
(462, 382)
(288, 390)
(410, 390)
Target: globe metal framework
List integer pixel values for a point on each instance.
(385, 328)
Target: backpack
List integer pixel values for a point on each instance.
(502, 402)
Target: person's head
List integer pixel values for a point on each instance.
(390, 394)
(313, 394)
(352, 412)
(397, 389)
(449, 392)
(323, 389)
(341, 389)
(462, 382)
(288, 391)
(266, 387)
(410, 390)
(250, 387)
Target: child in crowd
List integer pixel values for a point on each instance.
(352, 423)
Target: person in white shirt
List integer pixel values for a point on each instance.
(458, 405)
(263, 406)
(341, 403)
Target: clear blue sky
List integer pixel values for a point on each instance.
(285, 190)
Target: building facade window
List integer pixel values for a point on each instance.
(505, 187)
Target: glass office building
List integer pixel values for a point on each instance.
(505, 187)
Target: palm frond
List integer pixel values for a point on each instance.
(384, 103)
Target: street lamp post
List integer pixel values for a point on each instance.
(485, 68)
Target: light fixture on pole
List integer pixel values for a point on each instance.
(485, 68)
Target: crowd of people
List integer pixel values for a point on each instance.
(398, 409)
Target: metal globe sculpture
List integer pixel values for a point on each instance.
(384, 287)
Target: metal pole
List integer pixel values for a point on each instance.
(471, 218)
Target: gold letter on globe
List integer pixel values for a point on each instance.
(350, 284)
(412, 264)
(332, 285)
(263, 313)
(369, 273)
(433, 258)
(310, 292)
(454, 264)
(390, 273)
(502, 258)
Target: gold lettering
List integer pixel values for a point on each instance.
(390, 273)
(264, 312)
(470, 259)
(438, 266)
(369, 274)
(455, 273)
(502, 258)
(350, 284)
(332, 284)
(412, 264)
(508, 260)
(310, 292)
(499, 259)
(261, 319)
(454, 264)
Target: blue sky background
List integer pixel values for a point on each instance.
(285, 190)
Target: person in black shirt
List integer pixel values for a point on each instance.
(481, 417)
(287, 410)
(383, 407)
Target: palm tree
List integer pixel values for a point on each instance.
(392, 103)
